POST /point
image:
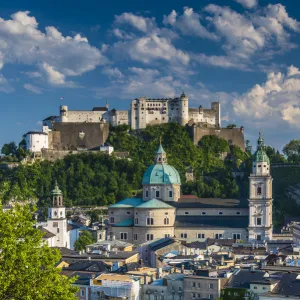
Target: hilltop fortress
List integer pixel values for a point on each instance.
(89, 129)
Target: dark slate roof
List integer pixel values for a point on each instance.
(212, 221)
(243, 277)
(86, 265)
(130, 267)
(196, 245)
(161, 243)
(288, 285)
(99, 257)
(83, 278)
(35, 132)
(103, 108)
(191, 201)
(47, 234)
(50, 118)
(220, 242)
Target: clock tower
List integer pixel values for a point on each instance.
(260, 196)
(57, 222)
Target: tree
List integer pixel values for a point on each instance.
(9, 149)
(27, 265)
(292, 151)
(230, 126)
(84, 239)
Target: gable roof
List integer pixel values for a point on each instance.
(154, 203)
(243, 277)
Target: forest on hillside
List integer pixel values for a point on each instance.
(98, 179)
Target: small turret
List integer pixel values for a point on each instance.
(261, 161)
(184, 109)
(161, 155)
(106, 105)
(57, 198)
(64, 113)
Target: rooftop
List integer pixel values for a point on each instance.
(154, 203)
(128, 202)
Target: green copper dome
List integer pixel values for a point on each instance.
(260, 155)
(161, 174)
(56, 190)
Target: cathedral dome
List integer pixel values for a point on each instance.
(161, 172)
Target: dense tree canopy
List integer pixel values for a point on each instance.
(292, 151)
(27, 265)
(84, 239)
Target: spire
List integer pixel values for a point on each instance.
(56, 190)
(161, 156)
(260, 142)
(106, 105)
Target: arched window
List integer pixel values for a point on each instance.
(100, 236)
(150, 221)
(258, 190)
(166, 221)
(136, 221)
(112, 220)
(57, 230)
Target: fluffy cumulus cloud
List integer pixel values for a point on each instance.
(22, 42)
(188, 23)
(5, 86)
(248, 3)
(277, 100)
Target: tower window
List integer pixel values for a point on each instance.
(135, 236)
(258, 190)
(123, 235)
(112, 220)
(183, 235)
(149, 237)
(147, 194)
(136, 221)
(157, 194)
(258, 221)
(166, 221)
(170, 194)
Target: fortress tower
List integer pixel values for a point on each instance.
(64, 113)
(184, 109)
(260, 196)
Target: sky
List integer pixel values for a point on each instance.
(243, 53)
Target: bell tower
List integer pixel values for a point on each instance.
(57, 222)
(260, 196)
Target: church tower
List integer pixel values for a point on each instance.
(57, 222)
(260, 196)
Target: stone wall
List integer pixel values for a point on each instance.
(71, 136)
(234, 136)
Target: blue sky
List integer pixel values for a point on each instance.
(244, 53)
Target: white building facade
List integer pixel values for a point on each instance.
(36, 141)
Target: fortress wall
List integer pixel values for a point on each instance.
(233, 135)
(69, 137)
(84, 116)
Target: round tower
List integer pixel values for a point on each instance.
(64, 113)
(183, 109)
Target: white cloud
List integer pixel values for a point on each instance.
(23, 42)
(188, 23)
(292, 70)
(5, 85)
(275, 101)
(112, 72)
(138, 22)
(54, 77)
(248, 3)
(148, 49)
(32, 88)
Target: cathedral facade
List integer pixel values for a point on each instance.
(164, 212)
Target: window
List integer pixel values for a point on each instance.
(183, 235)
(258, 237)
(193, 284)
(255, 287)
(166, 221)
(81, 292)
(258, 190)
(170, 194)
(198, 296)
(61, 213)
(211, 286)
(236, 236)
(220, 213)
(193, 295)
(149, 237)
(238, 213)
(147, 194)
(258, 221)
(100, 236)
(200, 235)
(186, 213)
(157, 194)
(128, 213)
(150, 221)
(167, 235)
(55, 224)
(203, 213)
(211, 297)
(57, 230)
(199, 285)
(112, 220)
(123, 235)
(218, 235)
(135, 236)
(136, 221)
